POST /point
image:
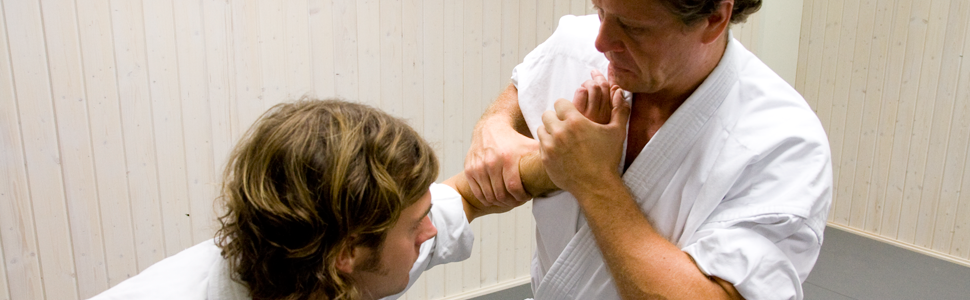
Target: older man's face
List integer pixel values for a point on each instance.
(650, 50)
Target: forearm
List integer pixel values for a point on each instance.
(505, 112)
(643, 263)
(534, 179)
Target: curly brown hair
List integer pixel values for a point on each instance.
(691, 11)
(309, 179)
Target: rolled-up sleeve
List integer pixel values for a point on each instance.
(762, 256)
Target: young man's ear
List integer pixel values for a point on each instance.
(346, 258)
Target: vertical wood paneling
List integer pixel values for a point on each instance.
(472, 107)
(296, 49)
(837, 112)
(4, 289)
(897, 118)
(454, 134)
(544, 18)
(138, 136)
(217, 40)
(76, 161)
(200, 170)
(559, 9)
(960, 245)
(18, 236)
(369, 52)
(887, 121)
(910, 120)
(391, 61)
(899, 128)
(527, 27)
(345, 49)
(322, 38)
(108, 146)
(246, 70)
(40, 147)
(804, 38)
(927, 141)
(412, 76)
(837, 128)
(816, 42)
(864, 190)
(856, 106)
(947, 143)
(272, 41)
(166, 113)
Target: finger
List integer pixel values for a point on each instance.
(597, 75)
(564, 109)
(498, 187)
(594, 95)
(486, 188)
(549, 119)
(513, 182)
(600, 81)
(476, 189)
(580, 99)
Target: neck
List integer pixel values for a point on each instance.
(663, 103)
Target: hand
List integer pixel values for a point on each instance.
(492, 162)
(575, 149)
(592, 99)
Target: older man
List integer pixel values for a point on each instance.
(717, 187)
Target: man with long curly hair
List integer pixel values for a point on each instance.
(325, 200)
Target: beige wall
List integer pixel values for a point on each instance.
(890, 83)
(117, 115)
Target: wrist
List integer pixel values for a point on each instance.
(599, 188)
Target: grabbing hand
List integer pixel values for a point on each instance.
(576, 150)
(492, 163)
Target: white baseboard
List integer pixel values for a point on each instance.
(910, 247)
(490, 289)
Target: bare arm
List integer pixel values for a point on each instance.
(534, 180)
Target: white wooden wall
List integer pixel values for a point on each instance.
(116, 116)
(889, 81)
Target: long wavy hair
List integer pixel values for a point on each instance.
(308, 179)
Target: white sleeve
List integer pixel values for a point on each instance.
(455, 237)
(765, 236)
(557, 67)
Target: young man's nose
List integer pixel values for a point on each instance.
(429, 231)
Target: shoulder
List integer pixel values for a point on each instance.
(182, 276)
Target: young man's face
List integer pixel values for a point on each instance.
(386, 273)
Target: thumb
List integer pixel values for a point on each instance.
(621, 110)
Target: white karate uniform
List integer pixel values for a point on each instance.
(200, 272)
(739, 177)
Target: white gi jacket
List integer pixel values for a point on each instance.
(200, 272)
(739, 177)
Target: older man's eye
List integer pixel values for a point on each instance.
(632, 29)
